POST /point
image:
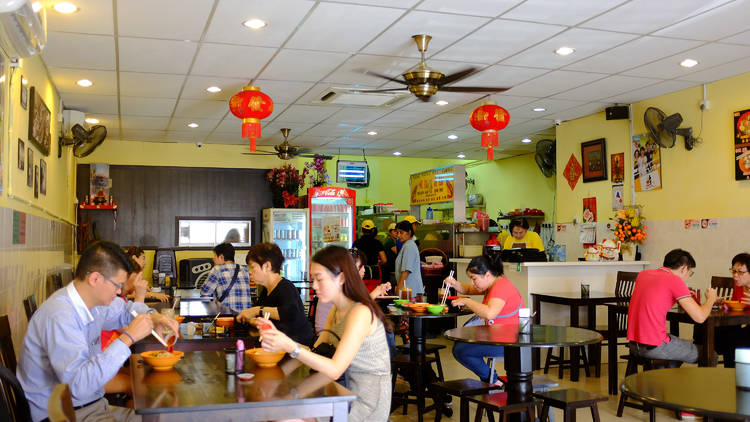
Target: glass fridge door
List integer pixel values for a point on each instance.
(289, 231)
(331, 223)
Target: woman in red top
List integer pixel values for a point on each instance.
(729, 338)
(500, 306)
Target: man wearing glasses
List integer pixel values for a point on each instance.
(655, 292)
(729, 338)
(62, 343)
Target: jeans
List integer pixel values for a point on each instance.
(676, 349)
(472, 357)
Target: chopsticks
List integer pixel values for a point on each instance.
(266, 315)
(153, 332)
(445, 291)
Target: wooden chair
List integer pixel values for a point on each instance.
(623, 291)
(13, 406)
(60, 405)
(7, 352)
(634, 362)
(29, 304)
(498, 402)
(724, 286)
(569, 400)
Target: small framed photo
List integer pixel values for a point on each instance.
(21, 154)
(24, 94)
(36, 181)
(42, 176)
(594, 160)
(30, 167)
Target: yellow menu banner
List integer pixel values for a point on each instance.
(432, 186)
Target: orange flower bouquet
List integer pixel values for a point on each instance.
(629, 225)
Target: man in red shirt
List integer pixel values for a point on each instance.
(655, 292)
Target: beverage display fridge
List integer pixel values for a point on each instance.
(332, 217)
(287, 227)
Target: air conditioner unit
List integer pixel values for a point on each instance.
(23, 32)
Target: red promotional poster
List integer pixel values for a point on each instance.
(742, 145)
(589, 210)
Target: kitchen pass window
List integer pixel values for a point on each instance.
(202, 232)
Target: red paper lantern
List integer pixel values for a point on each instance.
(251, 105)
(489, 118)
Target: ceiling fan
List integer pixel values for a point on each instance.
(424, 82)
(287, 151)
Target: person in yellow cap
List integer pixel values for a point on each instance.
(414, 223)
(390, 252)
(370, 245)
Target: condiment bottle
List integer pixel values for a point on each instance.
(239, 361)
(230, 354)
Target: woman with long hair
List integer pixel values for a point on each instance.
(362, 353)
(500, 306)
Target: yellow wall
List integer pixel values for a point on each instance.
(513, 183)
(57, 203)
(698, 183)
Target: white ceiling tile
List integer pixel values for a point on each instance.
(272, 131)
(719, 72)
(110, 121)
(386, 143)
(503, 100)
(138, 106)
(606, 87)
(283, 91)
(184, 136)
(205, 125)
(300, 65)
(382, 132)
(576, 112)
(306, 114)
(92, 17)
(201, 108)
(356, 116)
(635, 53)
(475, 7)
(354, 70)
(170, 19)
(444, 121)
(104, 104)
(105, 82)
(231, 61)
(482, 46)
(225, 138)
(144, 122)
(150, 85)
(402, 4)
(403, 118)
(330, 131)
(312, 141)
(741, 38)
(586, 42)
(527, 128)
(446, 29)
(142, 135)
(553, 82)
(559, 12)
(325, 29)
(414, 134)
(712, 25)
(650, 91)
(91, 52)
(708, 56)
(195, 87)
(157, 56)
(226, 25)
(550, 105)
(645, 16)
(501, 76)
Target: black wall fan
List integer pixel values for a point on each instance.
(84, 141)
(287, 151)
(545, 157)
(664, 129)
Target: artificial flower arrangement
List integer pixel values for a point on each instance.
(318, 175)
(285, 183)
(629, 225)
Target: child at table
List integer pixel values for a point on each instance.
(500, 306)
(730, 338)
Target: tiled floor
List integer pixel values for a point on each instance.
(607, 410)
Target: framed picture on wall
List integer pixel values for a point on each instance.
(21, 154)
(24, 94)
(42, 176)
(594, 160)
(36, 181)
(30, 167)
(39, 123)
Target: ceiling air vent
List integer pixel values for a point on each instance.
(346, 97)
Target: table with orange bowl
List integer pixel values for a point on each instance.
(198, 389)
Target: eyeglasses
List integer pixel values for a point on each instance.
(119, 286)
(737, 272)
(691, 273)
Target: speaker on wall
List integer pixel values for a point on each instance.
(617, 112)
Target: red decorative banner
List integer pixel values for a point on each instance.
(572, 171)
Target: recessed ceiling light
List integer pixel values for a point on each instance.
(396, 153)
(91, 120)
(36, 6)
(688, 63)
(526, 140)
(461, 155)
(193, 125)
(24, 81)
(254, 23)
(213, 89)
(441, 102)
(539, 109)
(84, 83)
(452, 136)
(564, 51)
(372, 133)
(65, 8)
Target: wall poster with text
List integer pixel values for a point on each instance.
(742, 145)
(646, 163)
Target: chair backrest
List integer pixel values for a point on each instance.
(60, 405)
(165, 262)
(29, 304)
(724, 286)
(7, 352)
(623, 290)
(14, 406)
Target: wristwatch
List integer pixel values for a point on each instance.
(295, 352)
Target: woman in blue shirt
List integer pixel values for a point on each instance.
(408, 267)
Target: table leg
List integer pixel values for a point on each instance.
(536, 356)
(416, 350)
(706, 354)
(612, 349)
(518, 368)
(574, 356)
(595, 350)
(340, 411)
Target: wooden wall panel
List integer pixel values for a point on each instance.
(149, 199)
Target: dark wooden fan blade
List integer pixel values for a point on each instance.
(380, 75)
(472, 89)
(325, 157)
(379, 90)
(458, 75)
(260, 153)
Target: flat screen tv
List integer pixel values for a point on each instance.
(353, 173)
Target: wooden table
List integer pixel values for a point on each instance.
(707, 392)
(574, 301)
(197, 342)
(198, 389)
(518, 365)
